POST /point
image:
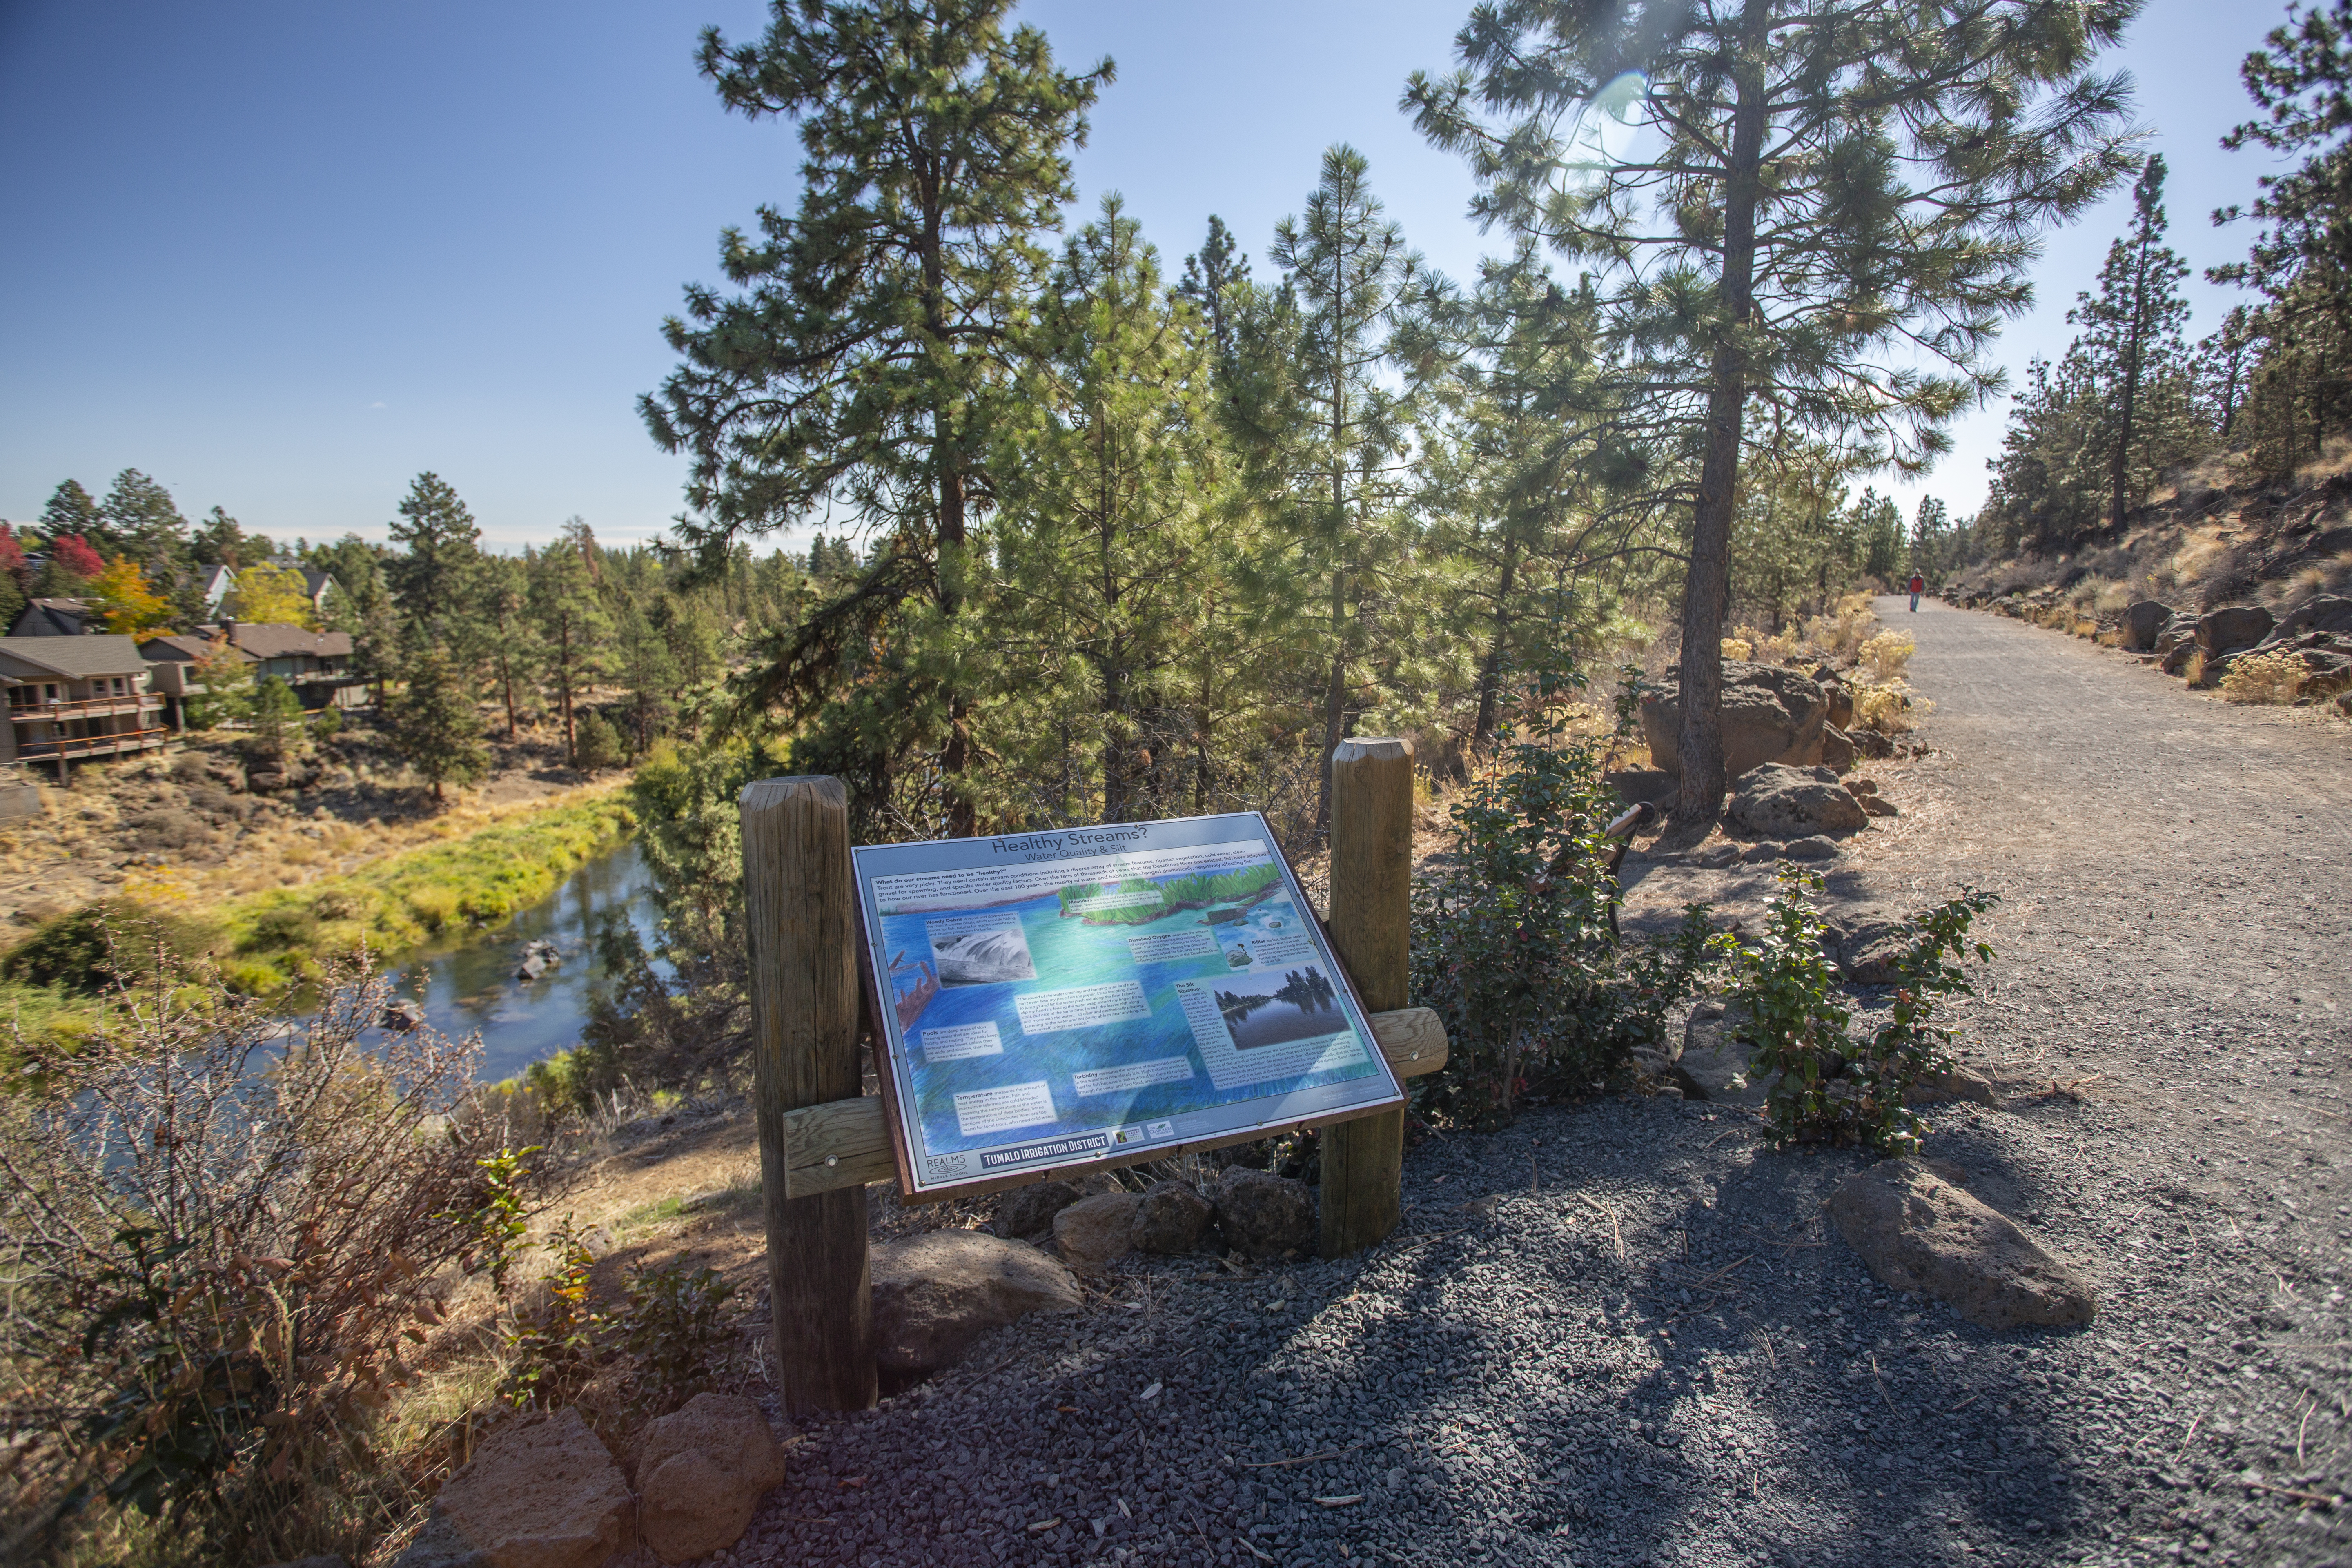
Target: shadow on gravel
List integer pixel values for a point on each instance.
(1735, 1381)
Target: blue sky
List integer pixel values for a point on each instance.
(285, 256)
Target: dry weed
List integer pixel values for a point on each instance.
(1738, 647)
(2263, 679)
(1885, 655)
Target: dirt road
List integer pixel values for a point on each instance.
(1620, 1333)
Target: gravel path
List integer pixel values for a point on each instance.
(1618, 1332)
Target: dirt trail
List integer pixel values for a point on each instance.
(1621, 1333)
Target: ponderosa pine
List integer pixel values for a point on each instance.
(1818, 212)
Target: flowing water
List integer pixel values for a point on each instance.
(472, 984)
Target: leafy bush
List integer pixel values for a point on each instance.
(2262, 678)
(326, 723)
(1889, 707)
(676, 1329)
(216, 1236)
(1833, 1087)
(550, 1344)
(1738, 647)
(1516, 943)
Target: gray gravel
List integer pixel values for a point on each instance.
(1618, 1333)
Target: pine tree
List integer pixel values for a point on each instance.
(502, 599)
(431, 580)
(1796, 199)
(1108, 548)
(71, 509)
(435, 727)
(1347, 458)
(572, 622)
(2132, 345)
(140, 520)
(1212, 275)
(872, 340)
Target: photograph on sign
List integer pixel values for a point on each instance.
(1085, 994)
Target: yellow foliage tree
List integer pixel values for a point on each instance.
(272, 596)
(120, 594)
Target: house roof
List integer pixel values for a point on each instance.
(50, 618)
(178, 649)
(76, 659)
(269, 641)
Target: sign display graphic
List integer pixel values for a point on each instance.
(1085, 994)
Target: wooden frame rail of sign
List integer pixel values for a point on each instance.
(820, 1143)
(1091, 997)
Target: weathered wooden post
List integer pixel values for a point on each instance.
(805, 1008)
(1372, 913)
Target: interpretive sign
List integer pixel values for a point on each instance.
(1091, 993)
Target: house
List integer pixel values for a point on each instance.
(172, 670)
(216, 582)
(74, 698)
(56, 619)
(317, 664)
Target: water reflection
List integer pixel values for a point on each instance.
(472, 986)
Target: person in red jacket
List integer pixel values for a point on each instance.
(1919, 586)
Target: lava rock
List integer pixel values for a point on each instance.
(1778, 801)
(1837, 754)
(1769, 715)
(2233, 628)
(1096, 1232)
(541, 1491)
(1920, 1232)
(1634, 785)
(1812, 847)
(1265, 1215)
(936, 1293)
(1960, 1084)
(403, 1014)
(2144, 623)
(1028, 1212)
(701, 1472)
(1170, 1219)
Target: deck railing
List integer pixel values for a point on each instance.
(85, 706)
(74, 746)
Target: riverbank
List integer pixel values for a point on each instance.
(480, 866)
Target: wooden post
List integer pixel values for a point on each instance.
(805, 1008)
(1371, 911)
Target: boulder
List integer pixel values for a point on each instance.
(1838, 754)
(937, 1292)
(403, 1014)
(1920, 1232)
(1769, 715)
(1876, 805)
(2328, 613)
(1715, 1057)
(1960, 1083)
(701, 1472)
(2233, 628)
(1840, 697)
(1814, 847)
(1713, 856)
(1870, 743)
(1777, 800)
(1170, 1219)
(1028, 1212)
(1635, 786)
(541, 1491)
(1759, 854)
(2143, 622)
(1095, 1232)
(1265, 1215)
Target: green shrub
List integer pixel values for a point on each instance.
(1516, 946)
(596, 744)
(103, 945)
(1833, 1087)
(675, 1328)
(327, 723)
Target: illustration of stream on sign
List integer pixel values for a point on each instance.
(1087, 994)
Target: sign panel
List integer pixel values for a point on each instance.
(1087, 994)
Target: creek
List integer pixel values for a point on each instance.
(470, 985)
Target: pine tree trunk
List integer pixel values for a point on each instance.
(1706, 586)
(1490, 674)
